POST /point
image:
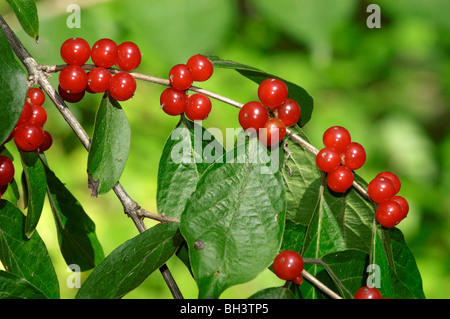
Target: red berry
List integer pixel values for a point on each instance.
(337, 137)
(46, 143)
(404, 203)
(289, 112)
(394, 179)
(180, 77)
(39, 116)
(173, 101)
(198, 107)
(36, 96)
(99, 80)
(28, 137)
(298, 280)
(75, 51)
(340, 179)
(6, 170)
(70, 97)
(368, 293)
(3, 189)
(26, 114)
(288, 265)
(272, 92)
(73, 79)
(201, 67)
(128, 56)
(273, 132)
(253, 115)
(389, 213)
(104, 53)
(328, 159)
(381, 189)
(122, 86)
(354, 156)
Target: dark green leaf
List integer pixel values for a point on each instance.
(273, 293)
(131, 263)
(188, 151)
(109, 148)
(14, 287)
(233, 222)
(76, 231)
(35, 189)
(13, 89)
(26, 12)
(26, 258)
(295, 92)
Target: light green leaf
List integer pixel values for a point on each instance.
(27, 14)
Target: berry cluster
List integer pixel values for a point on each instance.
(273, 97)
(175, 101)
(383, 190)
(288, 265)
(105, 53)
(339, 158)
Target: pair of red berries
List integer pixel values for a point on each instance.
(74, 81)
(28, 133)
(339, 158)
(175, 101)
(6, 173)
(288, 265)
(255, 116)
(383, 190)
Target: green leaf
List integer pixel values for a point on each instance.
(131, 263)
(76, 231)
(27, 14)
(109, 148)
(26, 258)
(296, 92)
(36, 182)
(13, 89)
(233, 222)
(273, 293)
(188, 151)
(14, 287)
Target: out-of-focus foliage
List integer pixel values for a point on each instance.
(389, 86)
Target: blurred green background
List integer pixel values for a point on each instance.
(389, 86)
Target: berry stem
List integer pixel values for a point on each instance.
(320, 285)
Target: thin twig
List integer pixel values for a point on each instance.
(320, 285)
(38, 75)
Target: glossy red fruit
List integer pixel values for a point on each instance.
(368, 293)
(288, 265)
(289, 112)
(70, 97)
(389, 213)
(46, 142)
(122, 86)
(3, 189)
(273, 132)
(198, 107)
(73, 79)
(128, 56)
(298, 280)
(36, 96)
(253, 115)
(201, 67)
(26, 114)
(99, 80)
(272, 92)
(394, 179)
(340, 179)
(6, 170)
(354, 156)
(28, 137)
(39, 115)
(337, 137)
(104, 53)
(75, 51)
(381, 189)
(404, 203)
(180, 77)
(328, 159)
(173, 101)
